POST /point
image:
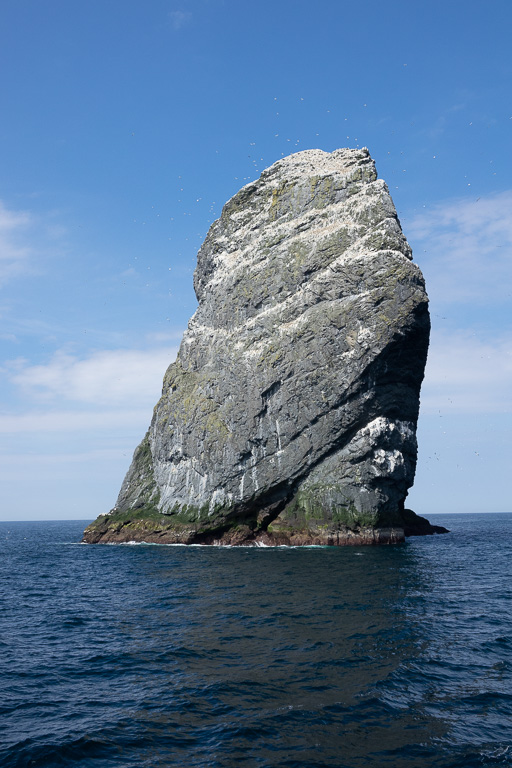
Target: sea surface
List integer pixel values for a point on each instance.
(144, 655)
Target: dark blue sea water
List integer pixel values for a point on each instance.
(156, 656)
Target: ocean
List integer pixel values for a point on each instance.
(144, 655)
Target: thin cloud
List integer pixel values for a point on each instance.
(164, 337)
(24, 239)
(12, 220)
(116, 378)
(179, 19)
(465, 249)
(74, 421)
(14, 252)
(467, 374)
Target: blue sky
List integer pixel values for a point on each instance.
(124, 128)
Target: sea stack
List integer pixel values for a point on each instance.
(289, 415)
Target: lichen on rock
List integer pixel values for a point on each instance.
(290, 413)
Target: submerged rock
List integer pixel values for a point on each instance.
(290, 413)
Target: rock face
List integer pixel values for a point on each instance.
(290, 413)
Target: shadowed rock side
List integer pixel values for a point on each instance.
(289, 416)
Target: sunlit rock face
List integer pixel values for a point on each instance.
(290, 413)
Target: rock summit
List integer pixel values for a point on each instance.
(289, 415)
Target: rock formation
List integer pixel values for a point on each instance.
(290, 413)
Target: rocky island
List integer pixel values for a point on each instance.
(289, 415)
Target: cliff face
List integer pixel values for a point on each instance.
(290, 413)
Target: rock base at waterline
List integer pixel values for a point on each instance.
(109, 530)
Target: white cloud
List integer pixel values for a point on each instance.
(467, 374)
(12, 220)
(74, 421)
(465, 249)
(24, 238)
(75, 429)
(117, 378)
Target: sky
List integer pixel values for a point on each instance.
(124, 128)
